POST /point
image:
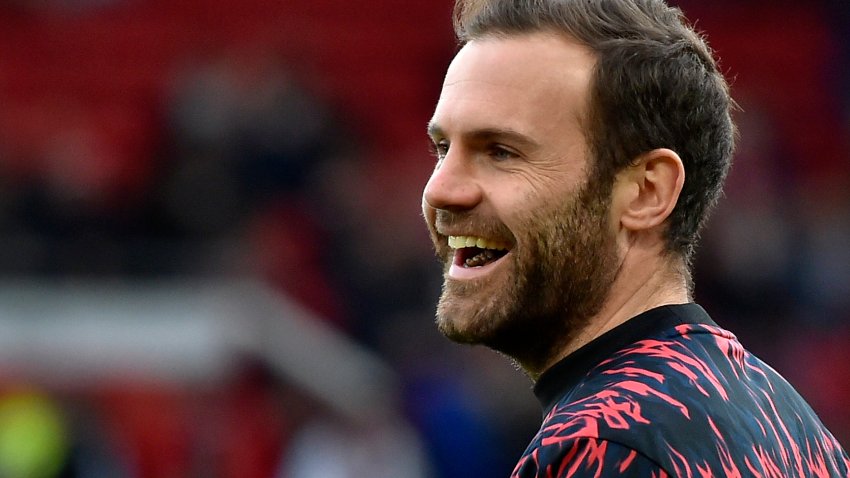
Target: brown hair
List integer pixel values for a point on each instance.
(655, 85)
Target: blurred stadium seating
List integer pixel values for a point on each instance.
(211, 256)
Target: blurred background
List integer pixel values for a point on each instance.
(212, 261)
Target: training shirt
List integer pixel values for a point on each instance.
(669, 393)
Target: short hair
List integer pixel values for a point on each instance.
(655, 84)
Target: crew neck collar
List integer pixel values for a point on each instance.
(569, 371)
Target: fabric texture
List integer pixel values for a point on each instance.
(670, 393)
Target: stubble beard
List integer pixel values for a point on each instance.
(559, 276)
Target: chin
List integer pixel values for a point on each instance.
(458, 325)
(463, 321)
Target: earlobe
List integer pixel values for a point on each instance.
(652, 187)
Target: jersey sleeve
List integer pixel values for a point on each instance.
(586, 457)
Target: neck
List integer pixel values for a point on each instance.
(644, 282)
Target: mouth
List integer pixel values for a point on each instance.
(474, 256)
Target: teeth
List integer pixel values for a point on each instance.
(459, 242)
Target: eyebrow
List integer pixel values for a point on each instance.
(488, 134)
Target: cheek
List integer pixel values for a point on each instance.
(549, 188)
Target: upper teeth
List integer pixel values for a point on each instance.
(459, 242)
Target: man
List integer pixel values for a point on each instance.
(580, 145)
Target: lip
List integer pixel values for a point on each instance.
(458, 272)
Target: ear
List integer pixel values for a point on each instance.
(646, 192)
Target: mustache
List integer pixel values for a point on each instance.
(470, 223)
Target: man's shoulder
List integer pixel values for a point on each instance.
(688, 397)
(638, 397)
(669, 372)
(650, 383)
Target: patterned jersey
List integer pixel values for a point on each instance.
(671, 394)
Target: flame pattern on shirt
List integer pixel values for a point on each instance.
(687, 402)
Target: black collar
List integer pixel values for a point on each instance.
(567, 373)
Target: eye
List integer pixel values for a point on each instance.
(501, 153)
(440, 149)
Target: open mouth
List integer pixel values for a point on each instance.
(473, 252)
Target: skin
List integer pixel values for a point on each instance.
(512, 166)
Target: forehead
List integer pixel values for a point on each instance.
(533, 83)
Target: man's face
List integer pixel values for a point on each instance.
(527, 243)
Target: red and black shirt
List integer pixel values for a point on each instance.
(669, 393)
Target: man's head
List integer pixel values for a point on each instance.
(549, 112)
(655, 85)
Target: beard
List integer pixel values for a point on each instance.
(559, 275)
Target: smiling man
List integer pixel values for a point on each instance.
(580, 145)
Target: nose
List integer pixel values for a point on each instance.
(453, 185)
